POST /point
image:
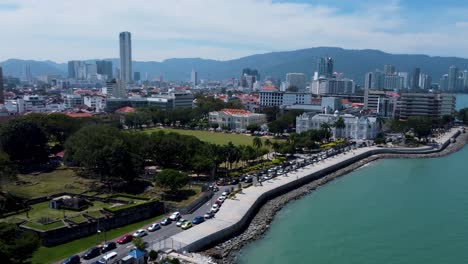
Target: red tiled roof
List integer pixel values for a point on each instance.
(125, 109)
(236, 111)
(269, 88)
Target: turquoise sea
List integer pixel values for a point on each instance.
(400, 211)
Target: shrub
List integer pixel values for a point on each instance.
(153, 255)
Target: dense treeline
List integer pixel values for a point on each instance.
(463, 115)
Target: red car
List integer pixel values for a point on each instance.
(125, 239)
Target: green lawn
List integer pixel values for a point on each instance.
(31, 186)
(53, 254)
(211, 137)
(45, 227)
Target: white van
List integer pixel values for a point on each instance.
(106, 258)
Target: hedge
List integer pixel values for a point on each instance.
(122, 208)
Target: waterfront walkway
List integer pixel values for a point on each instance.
(232, 213)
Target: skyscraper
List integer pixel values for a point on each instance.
(389, 69)
(325, 67)
(452, 78)
(415, 78)
(105, 68)
(136, 76)
(194, 77)
(125, 57)
(2, 97)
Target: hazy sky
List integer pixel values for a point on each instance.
(62, 30)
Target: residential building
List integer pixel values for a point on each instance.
(249, 77)
(443, 83)
(324, 86)
(393, 82)
(433, 105)
(116, 88)
(72, 101)
(125, 57)
(382, 103)
(374, 80)
(15, 106)
(97, 102)
(105, 68)
(356, 127)
(34, 103)
(297, 80)
(389, 69)
(91, 71)
(425, 82)
(236, 119)
(75, 69)
(164, 101)
(452, 78)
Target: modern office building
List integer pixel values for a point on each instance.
(297, 80)
(105, 68)
(433, 105)
(356, 127)
(324, 86)
(91, 71)
(236, 119)
(325, 67)
(393, 82)
(425, 81)
(34, 103)
(374, 80)
(76, 69)
(164, 101)
(126, 71)
(2, 96)
(415, 79)
(194, 77)
(381, 103)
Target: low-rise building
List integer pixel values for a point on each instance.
(432, 105)
(236, 119)
(97, 102)
(356, 127)
(34, 103)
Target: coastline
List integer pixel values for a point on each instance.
(226, 251)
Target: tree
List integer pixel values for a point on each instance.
(257, 143)
(105, 151)
(463, 115)
(253, 127)
(7, 168)
(24, 141)
(16, 246)
(268, 145)
(139, 243)
(171, 180)
(153, 255)
(421, 126)
(339, 126)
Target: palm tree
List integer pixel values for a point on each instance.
(268, 145)
(327, 128)
(339, 125)
(257, 143)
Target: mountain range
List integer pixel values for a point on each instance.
(353, 63)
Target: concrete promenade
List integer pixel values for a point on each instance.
(236, 213)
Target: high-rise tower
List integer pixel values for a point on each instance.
(125, 57)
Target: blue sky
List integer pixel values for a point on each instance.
(225, 29)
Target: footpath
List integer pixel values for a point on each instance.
(236, 214)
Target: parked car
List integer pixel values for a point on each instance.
(108, 247)
(215, 208)
(175, 216)
(219, 202)
(75, 259)
(125, 239)
(249, 180)
(91, 253)
(106, 258)
(186, 225)
(209, 215)
(181, 222)
(234, 182)
(198, 220)
(214, 188)
(154, 227)
(221, 199)
(224, 194)
(140, 233)
(166, 221)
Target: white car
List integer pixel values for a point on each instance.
(180, 222)
(221, 199)
(225, 194)
(175, 216)
(215, 208)
(154, 227)
(140, 233)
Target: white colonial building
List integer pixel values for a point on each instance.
(362, 127)
(236, 119)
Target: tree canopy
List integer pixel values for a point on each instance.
(16, 246)
(171, 180)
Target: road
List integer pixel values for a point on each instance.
(165, 231)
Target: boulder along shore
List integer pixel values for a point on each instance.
(226, 251)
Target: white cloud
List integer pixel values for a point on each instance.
(217, 29)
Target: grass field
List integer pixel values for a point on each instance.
(52, 254)
(210, 137)
(30, 186)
